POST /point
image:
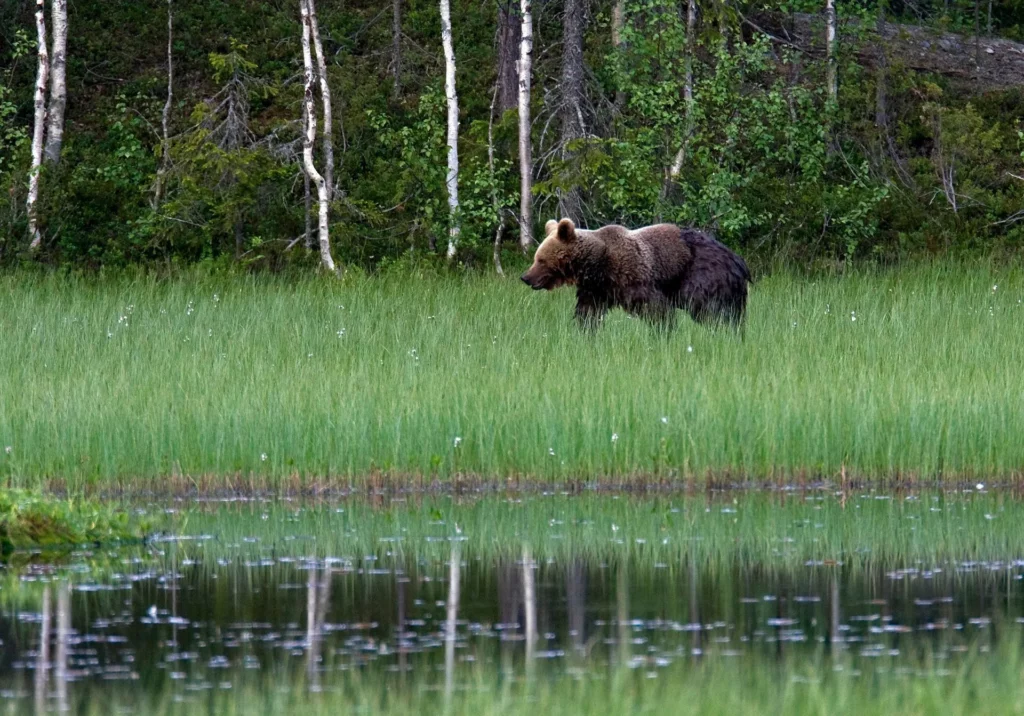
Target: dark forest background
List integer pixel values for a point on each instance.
(922, 153)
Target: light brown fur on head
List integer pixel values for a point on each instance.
(553, 256)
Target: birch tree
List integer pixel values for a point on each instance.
(571, 110)
(58, 81)
(323, 201)
(325, 98)
(165, 119)
(525, 154)
(831, 76)
(495, 204)
(38, 125)
(691, 41)
(452, 180)
(618, 20)
(396, 47)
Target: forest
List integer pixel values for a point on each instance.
(358, 135)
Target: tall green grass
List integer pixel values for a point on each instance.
(914, 372)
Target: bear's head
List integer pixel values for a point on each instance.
(552, 262)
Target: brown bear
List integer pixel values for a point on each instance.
(648, 272)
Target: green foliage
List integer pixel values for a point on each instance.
(766, 163)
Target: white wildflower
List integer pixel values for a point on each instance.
(551, 452)
(664, 420)
(8, 449)
(341, 333)
(457, 441)
(615, 437)
(263, 457)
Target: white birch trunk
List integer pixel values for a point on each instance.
(831, 76)
(525, 149)
(58, 81)
(165, 120)
(691, 39)
(494, 190)
(38, 126)
(618, 18)
(308, 140)
(452, 180)
(325, 98)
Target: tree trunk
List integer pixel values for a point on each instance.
(325, 98)
(323, 202)
(509, 37)
(881, 76)
(573, 127)
(988, 27)
(38, 126)
(977, 32)
(165, 120)
(691, 40)
(525, 149)
(618, 20)
(58, 81)
(831, 76)
(396, 48)
(494, 189)
(452, 180)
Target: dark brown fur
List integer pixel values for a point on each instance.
(648, 272)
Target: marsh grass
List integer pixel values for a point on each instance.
(899, 375)
(774, 532)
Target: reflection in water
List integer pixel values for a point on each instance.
(189, 625)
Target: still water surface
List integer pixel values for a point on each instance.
(186, 617)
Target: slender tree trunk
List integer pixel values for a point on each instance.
(38, 126)
(165, 120)
(509, 38)
(573, 127)
(691, 40)
(618, 22)
(325, 98)
(494, 189)
(323, 200)
(396, 48)
(525, 148)
(58, 81)
(988, 27)
(452, 180)
(882, 75)
(831, 75)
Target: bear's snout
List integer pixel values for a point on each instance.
(534, 282)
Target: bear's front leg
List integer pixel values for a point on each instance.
(589, 312)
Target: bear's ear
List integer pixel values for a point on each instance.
(549, 228)
(566, 230)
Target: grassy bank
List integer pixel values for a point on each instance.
(912, 373)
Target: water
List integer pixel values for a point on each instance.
(178, 620)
